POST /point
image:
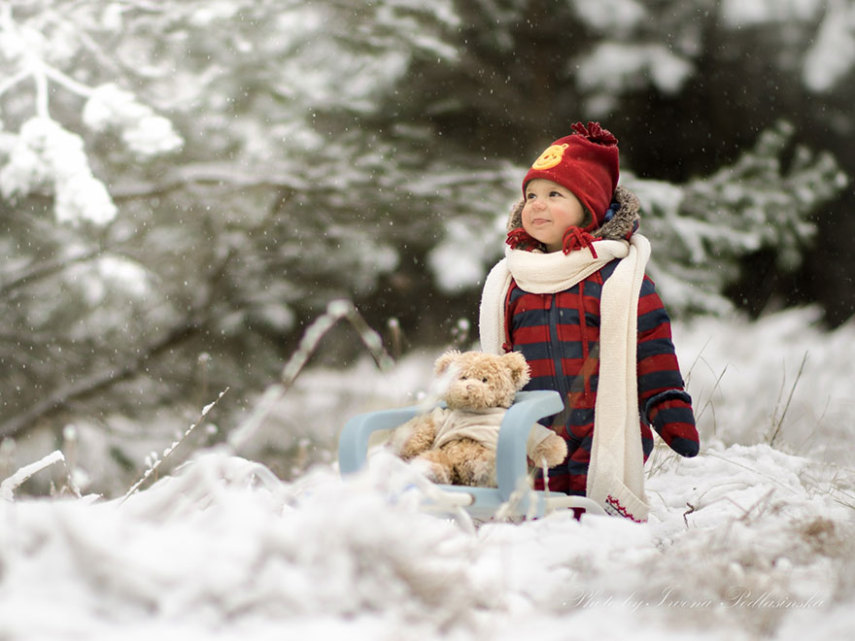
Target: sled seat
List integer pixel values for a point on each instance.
(512, 496)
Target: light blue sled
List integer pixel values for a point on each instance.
(512, 497)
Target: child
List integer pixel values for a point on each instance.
(571, 295)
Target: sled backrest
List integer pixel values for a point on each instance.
(511, 462)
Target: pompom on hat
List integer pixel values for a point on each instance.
(585, 162)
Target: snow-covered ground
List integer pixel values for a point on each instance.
(747, 541)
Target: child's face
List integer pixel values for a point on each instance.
(549, 211)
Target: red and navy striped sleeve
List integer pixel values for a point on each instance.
(664, 403)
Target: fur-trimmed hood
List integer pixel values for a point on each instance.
(619, 226)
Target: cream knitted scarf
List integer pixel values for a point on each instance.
(615, 474)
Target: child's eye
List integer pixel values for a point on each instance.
(552, 194)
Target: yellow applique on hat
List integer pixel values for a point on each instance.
(550, 157)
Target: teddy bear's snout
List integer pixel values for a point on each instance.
(470, 391)
(466, 390)
(471, 385)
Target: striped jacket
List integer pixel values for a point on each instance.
(558, 334)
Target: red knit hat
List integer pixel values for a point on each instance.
(585, 162)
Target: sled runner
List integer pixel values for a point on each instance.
(513, 497)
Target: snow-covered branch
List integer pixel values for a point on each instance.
(46, 155)
(9, 485)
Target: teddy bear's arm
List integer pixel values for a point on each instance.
(418, 435)
(544, 444)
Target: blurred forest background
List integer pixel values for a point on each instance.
(187, 185)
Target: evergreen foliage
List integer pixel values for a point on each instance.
(758, 203)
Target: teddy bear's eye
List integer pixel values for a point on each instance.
(484, 380)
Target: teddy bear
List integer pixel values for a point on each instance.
(457, 444)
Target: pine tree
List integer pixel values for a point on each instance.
(702, 229)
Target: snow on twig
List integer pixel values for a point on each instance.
(8, 486)
(156, 461)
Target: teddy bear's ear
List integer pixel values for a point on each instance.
(444, 362)
(518, 367)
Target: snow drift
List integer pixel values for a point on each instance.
(745, 541)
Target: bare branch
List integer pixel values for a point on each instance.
(43, 270)
(96, 382)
